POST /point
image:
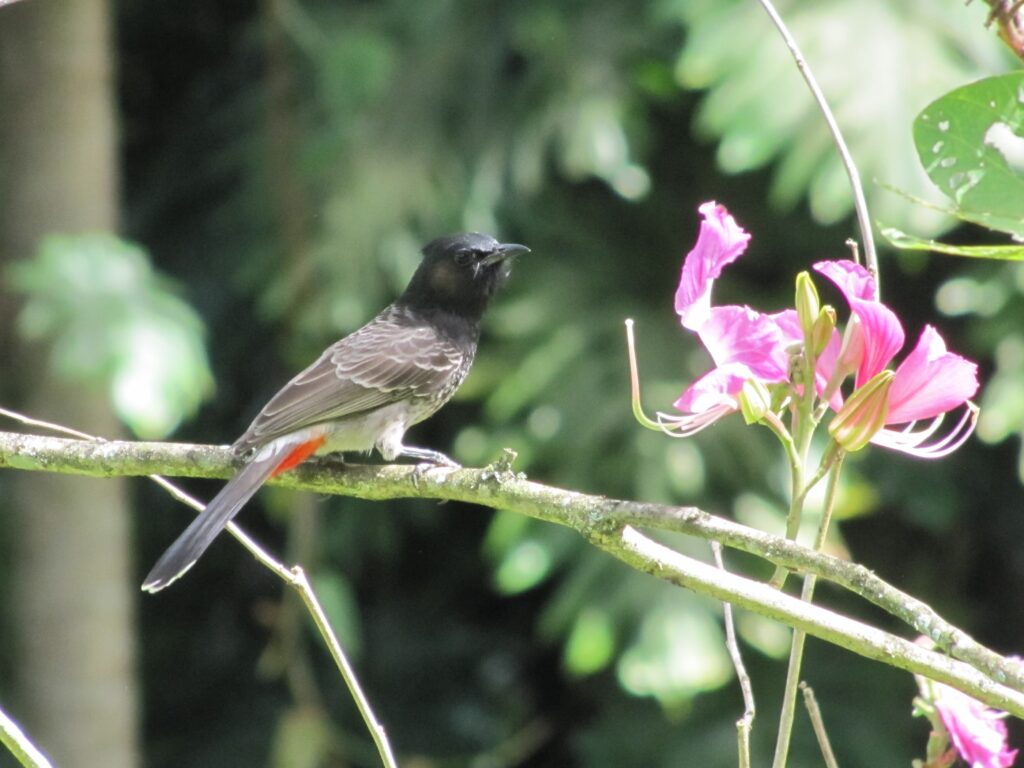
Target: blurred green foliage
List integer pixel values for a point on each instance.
(113, 322)
(877, 62)
(284, 161)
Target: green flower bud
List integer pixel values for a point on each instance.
(821, 332)
(863, 414)
(755, 400)
(808, 305)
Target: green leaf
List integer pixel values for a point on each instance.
(907, 242)
(971, 144)
(757, 104)
(113, 321)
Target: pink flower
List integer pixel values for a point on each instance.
(929, 383)
(977, 731)
(744, 344)
(750, 346)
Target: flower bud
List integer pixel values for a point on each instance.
(863, 414)
(821, 332)
(808, 305)
(755, 400)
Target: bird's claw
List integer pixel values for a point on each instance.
(421, 469)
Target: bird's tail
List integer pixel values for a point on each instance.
(184, 552)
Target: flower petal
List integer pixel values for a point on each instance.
(878, 335)
(930, 381)
(881, 337)
(715, 389)
(851, 278)
(977, 731)
(741, 335)
(720, 242)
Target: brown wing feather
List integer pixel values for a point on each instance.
(391, 358)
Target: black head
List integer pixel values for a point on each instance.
(459, 273)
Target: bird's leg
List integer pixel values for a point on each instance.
(428, 457)
(391, 447)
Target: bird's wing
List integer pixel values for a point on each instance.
(385, 361)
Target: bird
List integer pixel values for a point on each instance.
(367, 389)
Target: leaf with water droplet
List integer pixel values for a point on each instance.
(971, 142)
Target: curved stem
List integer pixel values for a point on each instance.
(859, 203)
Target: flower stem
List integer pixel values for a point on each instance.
(803, 430)
(859, 203)
(796, 650)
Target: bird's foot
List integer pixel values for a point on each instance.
(421, 469)
(336, 458)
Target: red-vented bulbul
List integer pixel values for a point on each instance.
(366, 390)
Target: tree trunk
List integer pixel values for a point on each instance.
(75, 690)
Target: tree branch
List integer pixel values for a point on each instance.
(632, 547)
(599, 519)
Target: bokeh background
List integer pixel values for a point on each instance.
(272, 169)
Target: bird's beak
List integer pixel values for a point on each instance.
(503, 252)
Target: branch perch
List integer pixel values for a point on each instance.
(601, 520)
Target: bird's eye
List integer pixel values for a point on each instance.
(465, 257)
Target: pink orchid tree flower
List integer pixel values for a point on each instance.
(748, 346)
(745, 345)
(977, 732)
(928, 384)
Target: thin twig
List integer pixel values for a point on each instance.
(814, 712)
(19, 745)
(745, 723)
(294, 577)
(297, 579)
(859, 203)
